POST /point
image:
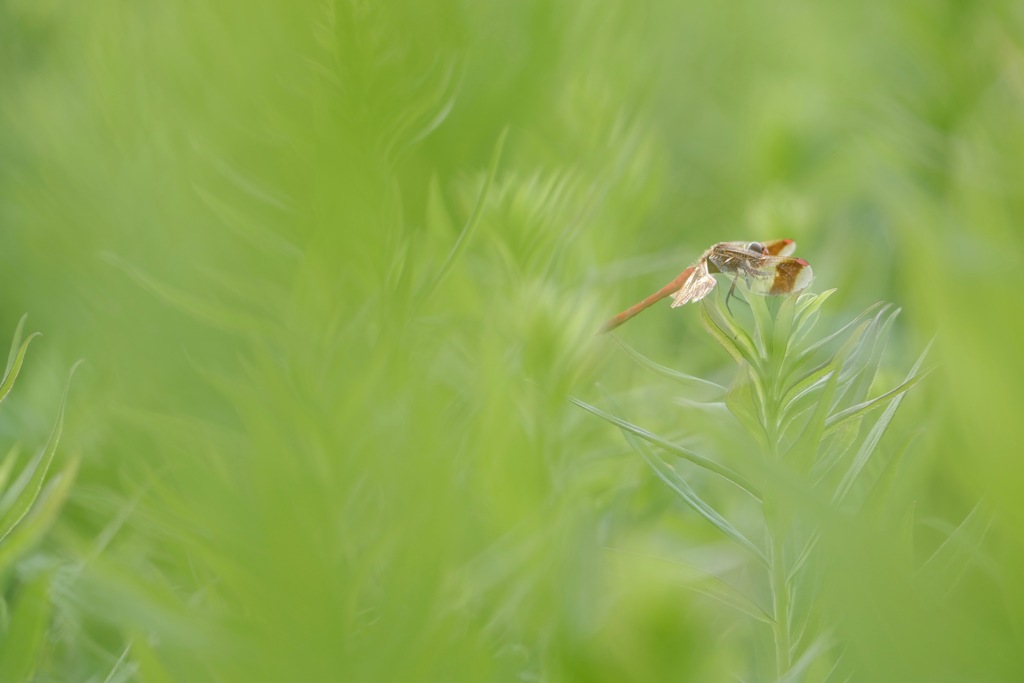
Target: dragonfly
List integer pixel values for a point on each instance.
(766, 268)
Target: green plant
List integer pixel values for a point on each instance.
(30, 499)
(812, 460)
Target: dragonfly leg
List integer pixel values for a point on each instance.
(730, 294)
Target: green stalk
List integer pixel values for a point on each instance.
(780, 601)
(776, 520)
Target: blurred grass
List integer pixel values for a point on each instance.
(312, 451)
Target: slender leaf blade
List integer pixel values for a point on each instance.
(838, 419)
(18, 500)
(699, 460)
(894, 397)
(8, 465)
(950, 560)
(474, 218)
(40, 517)
(671, 478)
(668, 373)
(23, 644)
(15, 344)
(734, 339)
(805, 308)
(15, 365)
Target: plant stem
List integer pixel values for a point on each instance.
(780, 602)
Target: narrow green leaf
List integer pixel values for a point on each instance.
(15, 366)
(674, 481)
(39, 519)
(808, 304)
(733, 338)
(8, 465)
(801, 559)
(824, 341)
(813, 432)
(802, 452)
(763, 324)
(741, 402)
(838, 446)
(15, 344)
(807, 384)
(760, 395)
(669, 373)
(719, 335)
(226, 318)
(803, 357)
(906, 526)
(246, 227)
(865, 375)
(808, 313)
(398, 276)
(860, 359)
(123, 670)
(894, 397)
(801, 334)
(151, 668)
(474, 218)
(23, 644)
(783, 326)
(717, 589)
(675, 449)
(417, 122)
(879, 488)
(961, 548)
(810, 655)
(18, 500)
(734, 600)
(838, 419)
(438, 220)
(842, 330)
(714, 587)
(835, 672)
(853, 358)
(799, 613)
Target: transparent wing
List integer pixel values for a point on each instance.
(696, 287)
(776, 275)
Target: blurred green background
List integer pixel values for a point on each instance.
(334, 267)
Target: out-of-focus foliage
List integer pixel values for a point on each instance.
(336, 265)
(32, 491)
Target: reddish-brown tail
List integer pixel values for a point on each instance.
(668, 290)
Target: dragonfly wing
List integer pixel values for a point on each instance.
(784, 247)
(780, 247)
(777, 275)
(696, 287)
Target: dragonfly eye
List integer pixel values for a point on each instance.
(757, 247)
